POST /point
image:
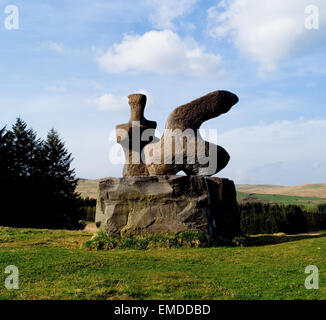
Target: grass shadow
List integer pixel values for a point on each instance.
(262, 240)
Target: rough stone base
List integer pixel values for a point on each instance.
(167, 204)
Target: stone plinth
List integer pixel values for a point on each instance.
(167, 204)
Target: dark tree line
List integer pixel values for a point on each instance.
(89, 207)
(37, 185)
(258, 218)
(316, 219)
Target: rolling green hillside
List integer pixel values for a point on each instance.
(307, 195)
(88, 188)
(306, 190)
(279, 199)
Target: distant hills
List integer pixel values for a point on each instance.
(88, 188)
(307, 194)
(305, 190)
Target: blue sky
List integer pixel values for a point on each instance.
(71, 64)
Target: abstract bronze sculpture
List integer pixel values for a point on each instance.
(181, 147)
(151, 198)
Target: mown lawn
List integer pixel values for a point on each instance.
(53, 265)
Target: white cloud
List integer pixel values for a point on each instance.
(161, 52)
(54, 46)
(166, 11)
(269, 31)
(111, 102)
(283, 152)
(56, 89)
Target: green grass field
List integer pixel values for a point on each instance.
(281, 199)
(53, 265)
(305, 190)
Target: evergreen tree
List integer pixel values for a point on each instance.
(5, 153)
(6, 173)
(24, 152)
(60, 184)
(36, 180)
(25, 148)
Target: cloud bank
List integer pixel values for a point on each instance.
(161, 52)
(268, 31)
(167, 11)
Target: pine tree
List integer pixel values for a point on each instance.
(36, 180)
(5, 153)
(61, 183)
(6, 174)
(25, 148)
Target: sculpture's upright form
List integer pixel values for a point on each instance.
(129, 136)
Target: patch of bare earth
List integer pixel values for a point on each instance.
(91, 227)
